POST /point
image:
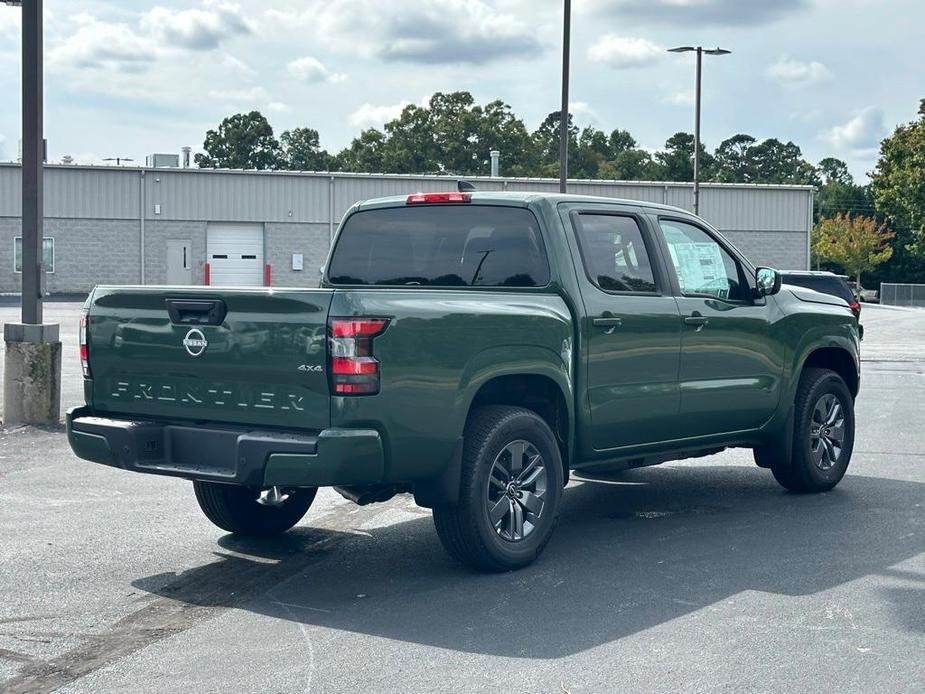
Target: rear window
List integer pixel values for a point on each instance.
(441, 246)
(835, 286)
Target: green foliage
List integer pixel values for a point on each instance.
(856, 244)
(242, 141)
(301, 151)
(676, 161)
(898, 183)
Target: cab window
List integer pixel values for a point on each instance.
(614, 254)
(703, 267)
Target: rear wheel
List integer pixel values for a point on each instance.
(510, 491)
(823, 434)
(247, 511)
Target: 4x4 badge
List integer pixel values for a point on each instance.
(195, 342)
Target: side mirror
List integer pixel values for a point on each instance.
(767, 281)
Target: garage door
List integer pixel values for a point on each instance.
(235, 254)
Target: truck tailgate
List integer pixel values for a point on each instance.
(249, 356)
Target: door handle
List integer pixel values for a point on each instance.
(608, 322)
(697, 320)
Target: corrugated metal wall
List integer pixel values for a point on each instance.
(769, 223)
(205, 195)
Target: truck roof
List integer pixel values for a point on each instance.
(522, 198)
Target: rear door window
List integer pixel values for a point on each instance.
(441, 246)
(614, 254)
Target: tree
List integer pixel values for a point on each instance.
(365, 154)
(834, 170)
(546, 144)
(857, 244)
(773, 161)
(242, 141)
(301, 151)
(498, 128)
(898, 184)
(733, 160)
(676, 161)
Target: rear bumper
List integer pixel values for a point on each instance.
(256, 458)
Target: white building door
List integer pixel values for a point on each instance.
(235, 254)
(179, 262)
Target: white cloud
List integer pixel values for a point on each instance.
(621, 52)
(10, 22)
(448, 32)
(198, 28)
(246, 98)
(106, 45)
(797, 73)
(862, 132)
(161, 32)
(370, 116)
(244, 95)
(309, 69)
(685, 97)
(582, 112)
(237, 64)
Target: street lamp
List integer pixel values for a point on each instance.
(700, 51)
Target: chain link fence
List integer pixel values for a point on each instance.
(902, 294)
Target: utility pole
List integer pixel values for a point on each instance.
(32, 378)
(563, 113)
(700, 51)
(32, 163)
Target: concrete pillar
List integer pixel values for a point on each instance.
(32, 376)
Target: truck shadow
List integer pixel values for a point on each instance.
(657, 545)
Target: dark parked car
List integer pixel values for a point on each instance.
(827, 283)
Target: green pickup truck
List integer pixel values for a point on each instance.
(471, 349)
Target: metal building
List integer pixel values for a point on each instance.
(196, 226)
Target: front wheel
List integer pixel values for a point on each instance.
(823, 434)
(510, 491)
(247, 511)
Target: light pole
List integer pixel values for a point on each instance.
(700, 51)
(563, 113)
(32, 363)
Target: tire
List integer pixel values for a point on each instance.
(235, 508)
(499, 441)
(819, 458)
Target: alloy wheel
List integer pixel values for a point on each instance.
(516, 490)
(827, 432)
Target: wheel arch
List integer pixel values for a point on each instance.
(535, 392)
(544, 391)
(837, 359)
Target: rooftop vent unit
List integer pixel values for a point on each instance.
(163, 161)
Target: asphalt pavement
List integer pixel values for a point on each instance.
(696, 576)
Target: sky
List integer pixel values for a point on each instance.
(125, 78)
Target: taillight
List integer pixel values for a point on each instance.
(855, 308)
(83, 342)
(433, 198)
(352, 367)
